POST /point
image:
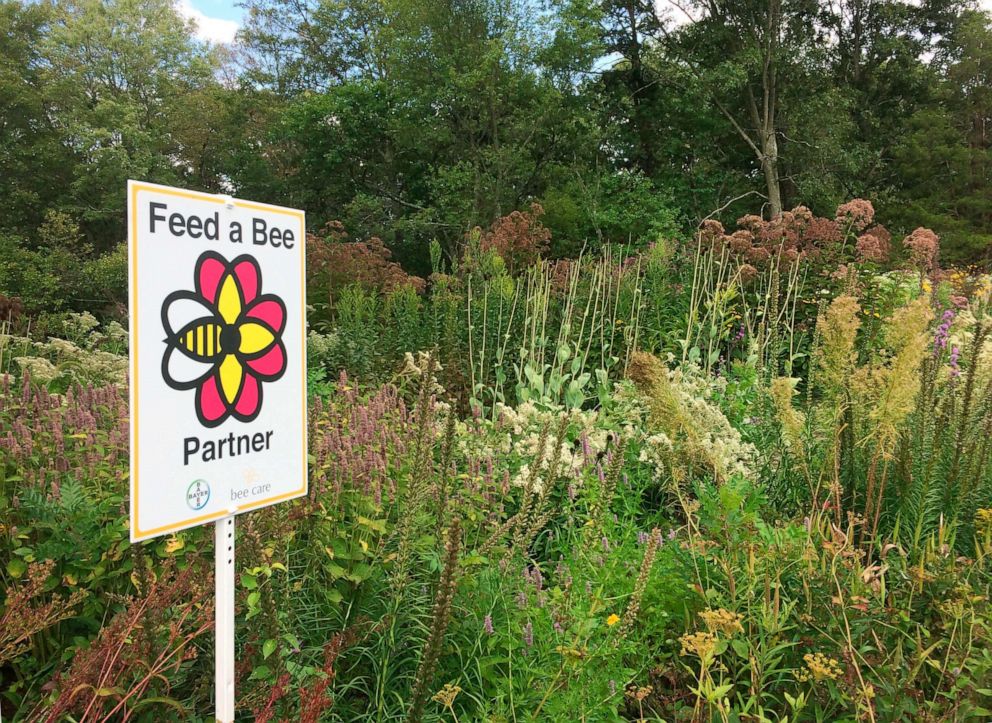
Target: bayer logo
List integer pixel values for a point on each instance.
(198, 494)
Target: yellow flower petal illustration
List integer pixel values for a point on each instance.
(230, 377)
(254, 338)
(229, 300)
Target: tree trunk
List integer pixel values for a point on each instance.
(769, 164)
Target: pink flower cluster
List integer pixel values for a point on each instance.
(874, 245)
(799, 234)
(857, 212)
(519, 237)
(923, 245)
(355, 441)
(82, 434)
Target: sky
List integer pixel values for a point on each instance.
(218, 20)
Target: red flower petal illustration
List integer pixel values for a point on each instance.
(271, 363)
(249, 398)
(209, 272)
(270, 312)
(212, 407)
(247, 274)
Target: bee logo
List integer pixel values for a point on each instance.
(201, 339)
(224, 339)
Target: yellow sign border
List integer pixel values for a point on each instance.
(134, 187)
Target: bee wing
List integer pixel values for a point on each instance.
(182, 371)
(180, 311)
(182, 308)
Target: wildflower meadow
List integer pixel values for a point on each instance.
(634, 360)
(743, 476)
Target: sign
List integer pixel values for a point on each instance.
(218, 357)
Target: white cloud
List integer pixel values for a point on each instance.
(214, 30)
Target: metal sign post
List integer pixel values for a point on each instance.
(224, 618)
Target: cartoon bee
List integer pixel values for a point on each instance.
(202, 340)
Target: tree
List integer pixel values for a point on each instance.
(446, 116)
(33, 160)
(750, 54)
(628, 28)
(943, 162)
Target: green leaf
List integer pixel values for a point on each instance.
(268, 647)
(720, 691)
(741, 648)
(107, 692)
(377, 525)
(16, 567)
(262, 672)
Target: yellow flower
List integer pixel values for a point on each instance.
(820, 667)
(446, 696)
(698, 644)
(612, 620)
(722, 621)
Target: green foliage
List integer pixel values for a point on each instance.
(565, 462)
(563, 542)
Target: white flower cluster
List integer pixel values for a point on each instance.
(47, 361)
(514, 439)
(322, 348)
(80, 327)
(697, 433)
(85, 365)
(415, 366)
(38, 368)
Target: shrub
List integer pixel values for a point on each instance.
(334, 262)
(519, 238)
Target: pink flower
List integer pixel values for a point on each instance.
(858, 212)
(790, 256)
(922, 245)
(870, 248)
(748, 273)
(224, 339)
(528, 634)
(711, 228)
(740, 241)
(802, 215)
(750, 221)
(758, 255)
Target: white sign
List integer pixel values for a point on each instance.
(218, 357)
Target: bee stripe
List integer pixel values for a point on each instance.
(208, 332)
(189, 340)
(199, 340)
